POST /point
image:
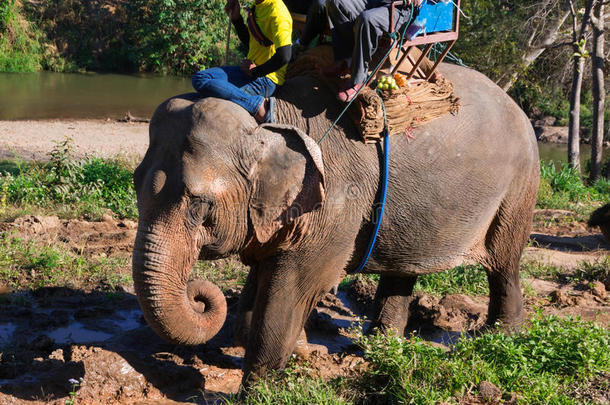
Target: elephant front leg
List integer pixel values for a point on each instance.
(246, 306)
(392, 302)
(283, 302)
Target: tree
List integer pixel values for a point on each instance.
(542, 30)
(599, 96)
(579, 42)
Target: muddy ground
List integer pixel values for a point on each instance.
(89, 332)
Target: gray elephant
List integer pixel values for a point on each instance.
(214, 184)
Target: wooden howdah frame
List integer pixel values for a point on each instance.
(299, 21)
(429, 40)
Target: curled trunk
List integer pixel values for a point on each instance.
(181, 312)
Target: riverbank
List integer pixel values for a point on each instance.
(32, 140)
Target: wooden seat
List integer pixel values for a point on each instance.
(429, 38)
(298, 21)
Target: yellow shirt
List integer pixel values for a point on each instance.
(275, 21)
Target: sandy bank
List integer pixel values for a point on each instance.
(34, 139)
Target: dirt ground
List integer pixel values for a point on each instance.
(52, 335)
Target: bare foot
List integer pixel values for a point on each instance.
(262, 111)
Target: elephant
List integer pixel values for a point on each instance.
(213, 184)
(601, 217)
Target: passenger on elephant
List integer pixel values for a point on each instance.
(315, 22)
(268, 37)
(356, 27)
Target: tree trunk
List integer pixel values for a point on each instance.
(599, 94)
(577, 74)
(574, 126)
(537, 48)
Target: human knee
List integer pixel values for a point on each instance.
(200, 79)
(365, 19)
(203, 77)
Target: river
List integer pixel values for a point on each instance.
(47, 95)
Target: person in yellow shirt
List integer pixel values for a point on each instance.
(268, 35)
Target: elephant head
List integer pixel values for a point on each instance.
(210, 184)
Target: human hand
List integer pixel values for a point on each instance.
(232, 9)
(246, 66)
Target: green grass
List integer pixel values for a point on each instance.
(585, 273)
(545, 363)
(29, 265)
(20, 50)
(290, 387)
(562, 188)
(550, 361)
(72, 188)
(224, 273)
(465, 279)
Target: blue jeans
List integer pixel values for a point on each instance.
(230, 83)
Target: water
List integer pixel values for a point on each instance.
(6, 332)
(559, 153)
(47, 95)
(78, 332)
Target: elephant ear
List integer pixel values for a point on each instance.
(287, 180)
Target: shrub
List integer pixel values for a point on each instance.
(20, 50)
(545, 363)
(86, 187)
(562, 188)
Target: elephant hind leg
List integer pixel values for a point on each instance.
(504, 242)
(392, 302)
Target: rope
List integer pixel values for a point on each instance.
(404, 30)
(386, 149)
(436, 50)
(384, 191)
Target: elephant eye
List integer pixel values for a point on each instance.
(199, 210)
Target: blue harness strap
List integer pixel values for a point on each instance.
(384, 190)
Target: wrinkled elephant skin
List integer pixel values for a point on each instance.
(214, 184)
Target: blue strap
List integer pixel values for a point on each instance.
(384, 189)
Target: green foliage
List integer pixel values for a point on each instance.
(87, 187)
(20, 50)
(292, 388)
(176, 36)
(26, 264)
(562, 188)
(488, 41)
(163, 36)
(545, 363)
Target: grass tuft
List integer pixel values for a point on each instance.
(561, 187)
(28, 265)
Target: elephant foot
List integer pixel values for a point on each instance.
(304, 350)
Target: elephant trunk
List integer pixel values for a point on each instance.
(179, 311)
